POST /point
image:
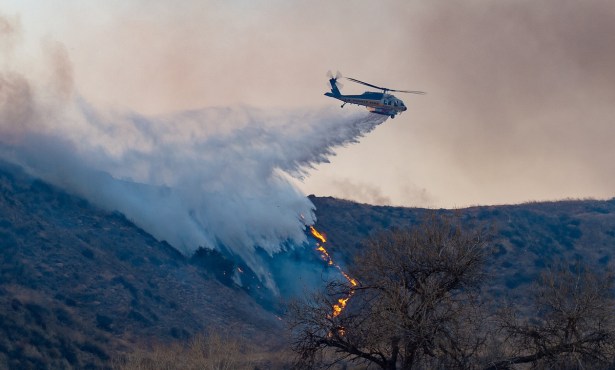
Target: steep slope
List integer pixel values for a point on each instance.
(78, 284)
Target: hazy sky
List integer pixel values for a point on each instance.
(521, 94)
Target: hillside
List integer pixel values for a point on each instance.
(78, 284)
(526, 237)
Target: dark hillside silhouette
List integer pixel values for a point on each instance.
(78, 284)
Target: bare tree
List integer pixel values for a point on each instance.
(573, 326)
(415, 305)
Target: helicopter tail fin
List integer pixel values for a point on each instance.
(334, 89)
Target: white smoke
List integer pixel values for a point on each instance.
(216, 177)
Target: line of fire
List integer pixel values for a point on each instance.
(341, 302)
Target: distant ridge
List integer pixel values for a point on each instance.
(527, 237)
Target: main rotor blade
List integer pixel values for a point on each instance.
(410, 92)
(365, 83)
(384, 88)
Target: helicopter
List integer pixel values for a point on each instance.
(376, 102)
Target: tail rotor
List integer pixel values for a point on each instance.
(335, 78)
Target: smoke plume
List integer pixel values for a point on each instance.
(215, 177)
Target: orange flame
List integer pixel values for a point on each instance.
(318, 235)
(324, 254)
(350, 280)
(338, 308)
(341, 302)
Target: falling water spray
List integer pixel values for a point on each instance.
(217, 177)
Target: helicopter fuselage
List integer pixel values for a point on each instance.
(375, 102)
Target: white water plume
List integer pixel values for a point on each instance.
(215, 177)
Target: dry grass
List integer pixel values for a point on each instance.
(205, 352)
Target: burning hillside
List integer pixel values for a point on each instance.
(341, 302)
